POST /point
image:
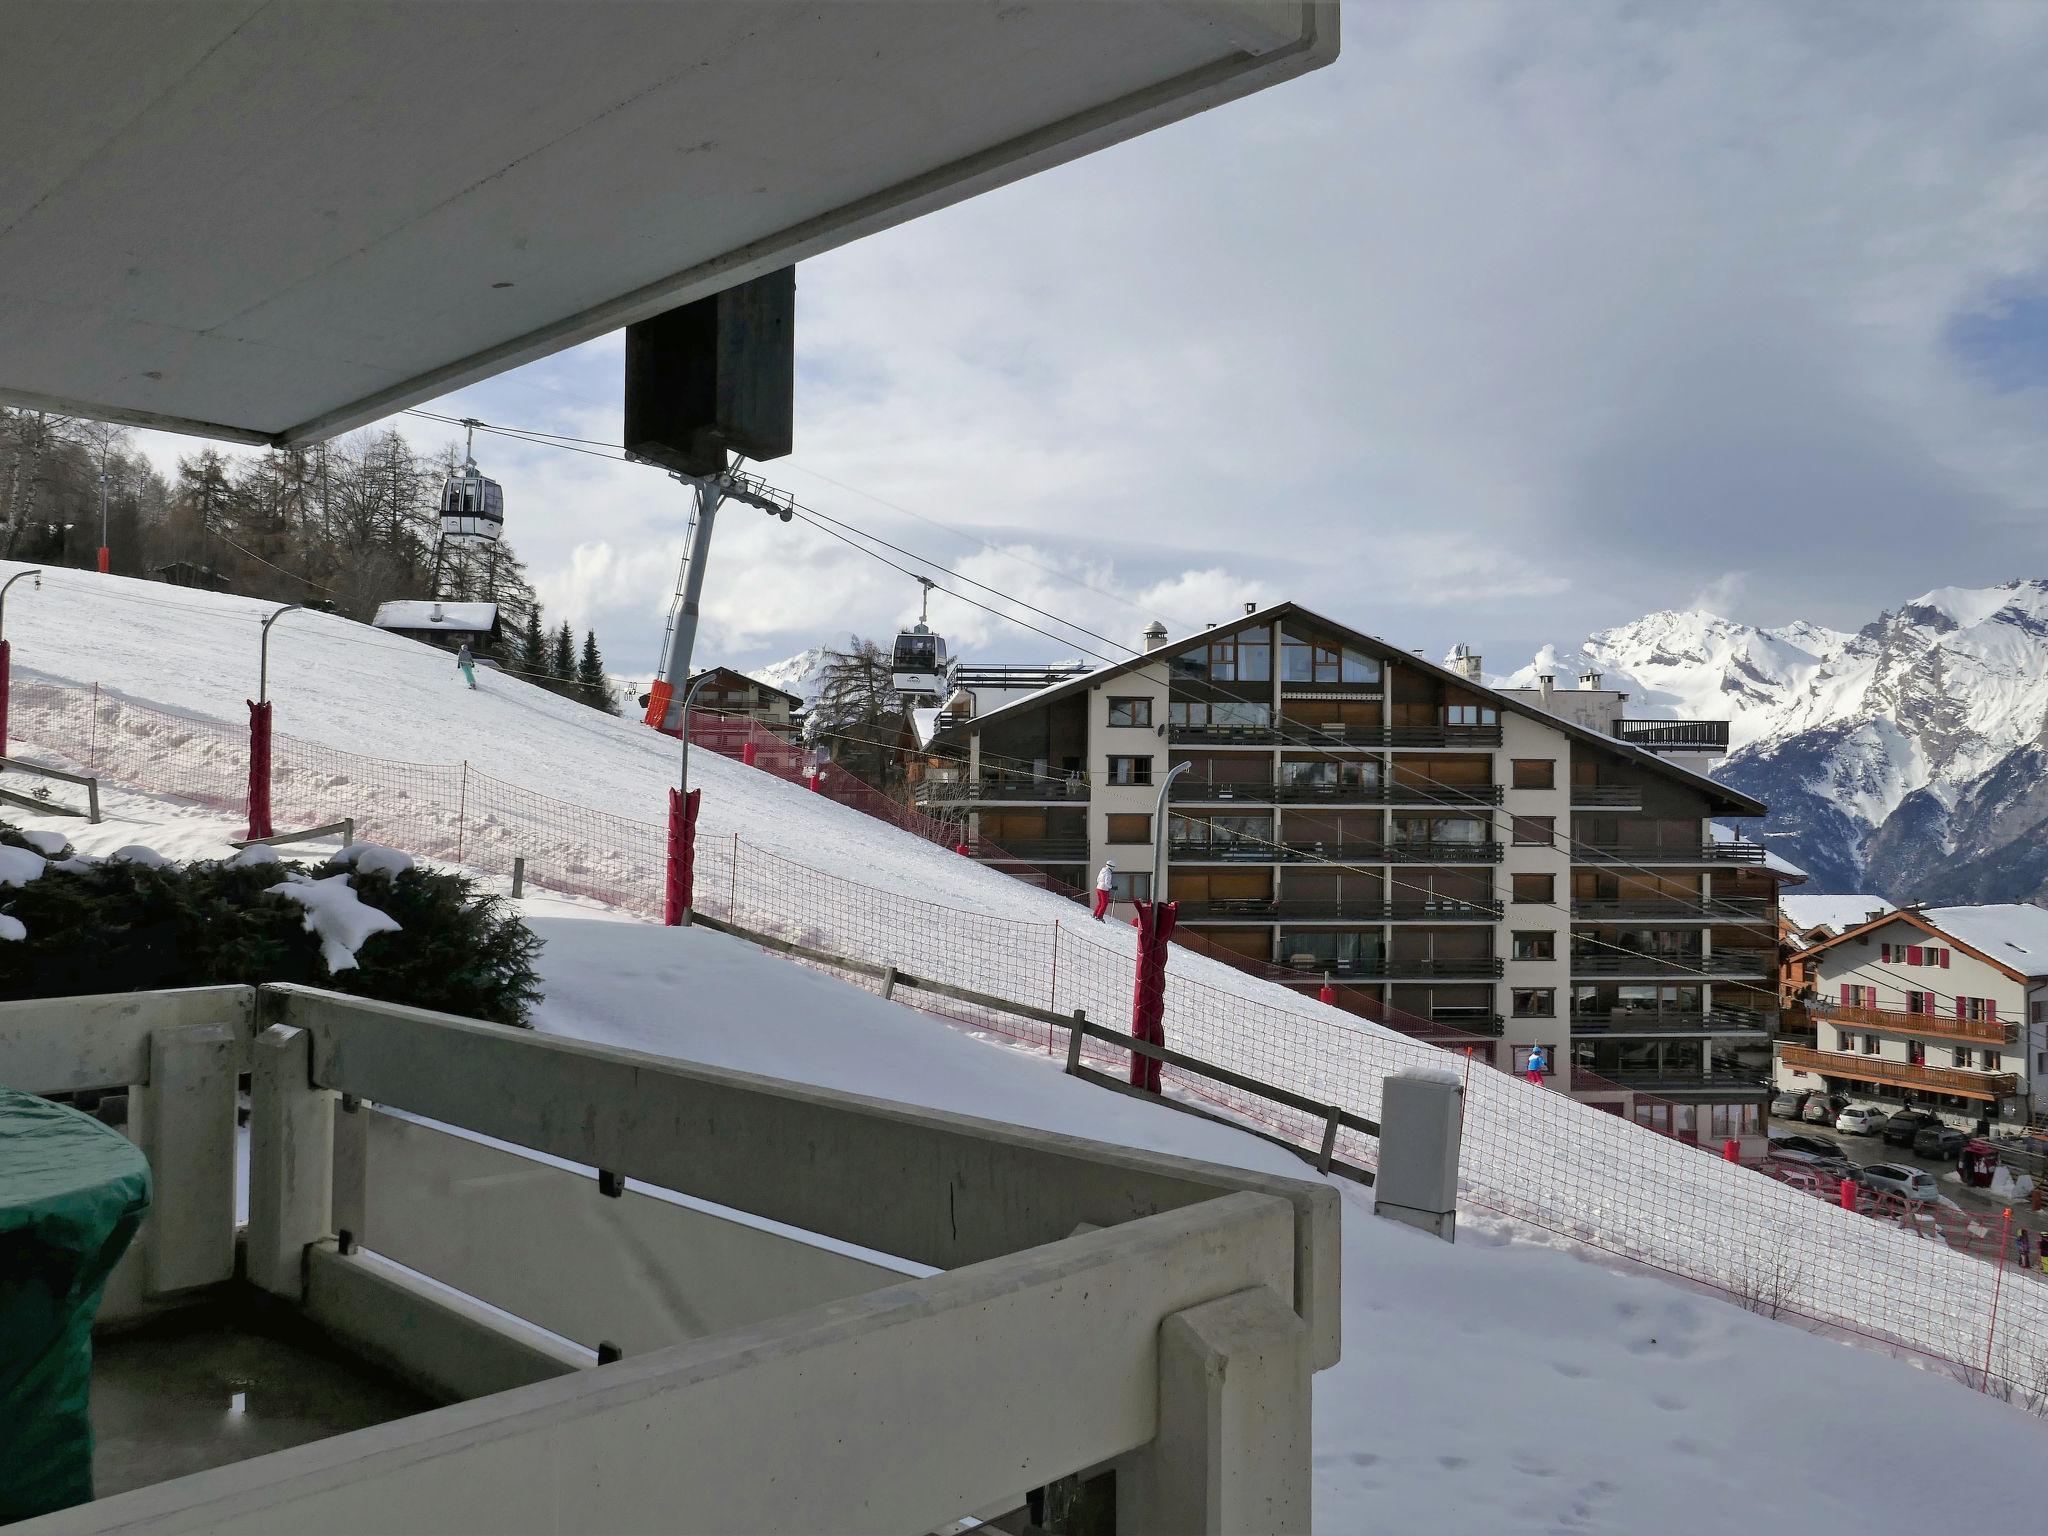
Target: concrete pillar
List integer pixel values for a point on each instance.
(1233, 1448)
(187, 1131)
(291, 1160)
(1422, 1118)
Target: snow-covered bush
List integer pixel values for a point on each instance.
(378, 929)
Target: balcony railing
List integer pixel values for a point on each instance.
(1606, 796)
(1961, 1081)
(1932, 1025)
(1305, 792)
(1669, 1084)
(1384, 969)
(1754, 963)
(1293, 733)
(1249, 852)
(1669, 853)
(1039, 850)
(1025, 787)
(1716, 910)
(1674, 735)
(1314, 910)
(1435, 851)
(1666, 1021)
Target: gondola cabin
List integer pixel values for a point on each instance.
(919, 663)
(472, 506)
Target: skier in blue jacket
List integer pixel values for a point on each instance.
(1539, 1063)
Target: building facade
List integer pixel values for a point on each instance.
(1451, 856)
(1943, 1008)
(730, 695)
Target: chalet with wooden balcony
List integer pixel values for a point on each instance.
(1337, 810)
(1943, 1008)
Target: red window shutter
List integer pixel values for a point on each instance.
(1884, 953)
(1847, 1000)
(1944, 959)
(1960, 1013)
(1991, 1008)
(1912, 954)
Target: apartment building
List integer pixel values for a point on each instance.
(1805, 922)
(1451, 855)
(1945, 1008)
(731, 695)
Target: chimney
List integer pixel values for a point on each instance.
(1251, 607)
(436, 614)
(1155, 635)
(1545, 684)
(1589, 679)
(1465, 662)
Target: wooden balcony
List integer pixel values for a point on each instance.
(1932, 1026)
(1900, 1074)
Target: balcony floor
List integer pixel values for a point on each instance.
(217, 1384)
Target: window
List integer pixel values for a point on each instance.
(1536, 944)
(1535, 1002)
(1522, 1060)
(1315, 659)
(1965, 1057)
(1534, 888)
(1993, 1062)
(1535, 773)
(2041, 1061)
(1534, 831)
(1130, 829)
(1239, 658)
(2038, 1012)
(1471, 714)
(1870, 1045)
(1844, 1041)
(1916, 1053)
(1135, 886)
(1130, 711)
(1130, 770)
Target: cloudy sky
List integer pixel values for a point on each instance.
(1518, 321)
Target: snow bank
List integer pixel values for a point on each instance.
(12, 928)
(18, 866)
(340, 917)
(50, 844)
(254, 856)
(374, 859)
(136, 853)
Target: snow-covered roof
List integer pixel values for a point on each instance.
(925, 722)
(2012, 933)
(468, 618)
(1835, 913)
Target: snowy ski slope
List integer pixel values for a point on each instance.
(1530, 1154)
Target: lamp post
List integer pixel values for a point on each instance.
(689, 698)
(105, 560)
(1160, 834)
(263, 659)
(36, 572)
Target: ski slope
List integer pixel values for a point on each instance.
(1498, 1385)
(1530, 1154)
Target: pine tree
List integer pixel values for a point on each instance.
(562, 655)
(533, 645)
(592, 686)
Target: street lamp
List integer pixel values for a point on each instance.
(103, 510)
(263, 665)
(683, 766)
(37, 572)
(1159, 833)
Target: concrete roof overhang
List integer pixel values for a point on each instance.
(275, 222)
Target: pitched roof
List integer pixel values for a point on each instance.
(794, 698)
(1733, 802)
(468, 618)
(1835, 913)
(2012, 936)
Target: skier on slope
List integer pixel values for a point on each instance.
(1105, 882)
(466, 665)
(1539, 1063)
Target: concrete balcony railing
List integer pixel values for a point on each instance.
(1025, 788)
(1900, 1074)
(517, 1225)
(1933, 1026)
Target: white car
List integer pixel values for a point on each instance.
(1861, 1120)
(1913, 1184)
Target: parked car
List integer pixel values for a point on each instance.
(1914, 1184)
(1938, 1140)
(1822, 1108)
(1900, 1130)
(1812, 1151)
(1860, 1120)
(1786, 1106)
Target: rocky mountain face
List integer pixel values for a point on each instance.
(1909, 758)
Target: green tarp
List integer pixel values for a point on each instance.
(72, 1193)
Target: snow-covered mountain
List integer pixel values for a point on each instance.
(802, 674)
(1908, 758)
